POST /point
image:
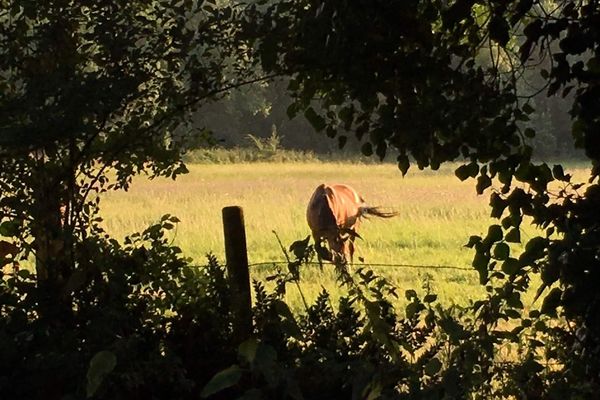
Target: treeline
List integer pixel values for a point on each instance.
(257, 113)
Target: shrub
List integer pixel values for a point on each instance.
(154, 325)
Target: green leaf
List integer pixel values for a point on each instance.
(451, 384)
(9, 228)
(480, 263)
(266, 361)
(430, 298)
(550, 273)
(403, 163)
(222, 380)
(551, 302)
(559, 173)
(373, 390)
(316, 121)
(498, 205)
(346, 115)
(76, 280)
(331, 131)
(292, 110)
(412, 309)
(468, 170)
(511, 266)
(514, 300)
(529, 132)
(483, 182)
(165, 217)
(367, 149)
(535, 249)
(527, 108)
(269, 53)
(494, 234)
(24, 274)
(433, 366)
(473, 240)
(288, 321)
(458, 11)
(298, 248)
(453, 329)
(101, 365)
(462, 172)
(534, 314)
(523, 172)
(501, 251)
(247, 350)
(513, 236)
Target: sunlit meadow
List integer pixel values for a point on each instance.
(437, 214)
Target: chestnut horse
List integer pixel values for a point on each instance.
(334, 213)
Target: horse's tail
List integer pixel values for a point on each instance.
(366, 211)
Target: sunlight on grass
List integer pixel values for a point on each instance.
(437, 214)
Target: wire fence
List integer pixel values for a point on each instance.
(376, 265)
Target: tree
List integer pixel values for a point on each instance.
(409, 75)
(258, 109)
(91, 94)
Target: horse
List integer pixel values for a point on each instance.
(334, 214)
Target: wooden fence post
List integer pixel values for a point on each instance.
(237, 271)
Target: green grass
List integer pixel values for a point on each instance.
(437, 214)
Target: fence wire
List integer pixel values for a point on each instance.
(413, 266)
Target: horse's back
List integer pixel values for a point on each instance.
(333, 206)
(319, 213)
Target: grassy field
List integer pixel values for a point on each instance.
(437, 214)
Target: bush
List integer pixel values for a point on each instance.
(137, 321)
(155, 326)
(240, 155)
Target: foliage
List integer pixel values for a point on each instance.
(90, 95)
(144, 323)
(257, 108)
(250, 154)
(413, 79)
(358, 349)
(240, 155)
(259, 149)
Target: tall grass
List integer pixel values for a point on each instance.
(437, 214)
